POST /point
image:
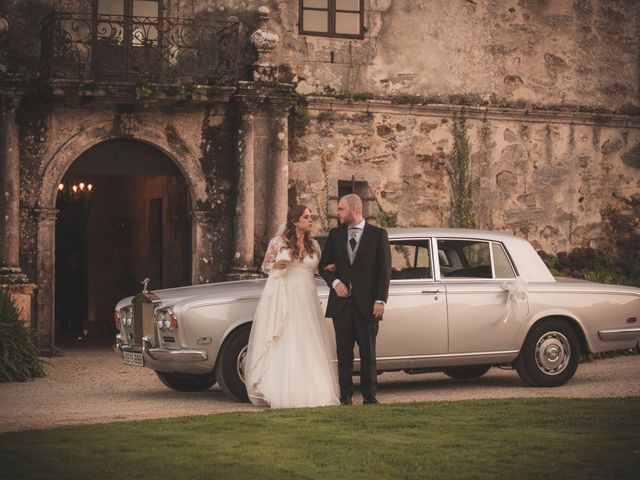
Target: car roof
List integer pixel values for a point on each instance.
(420, 232)
(448, 232)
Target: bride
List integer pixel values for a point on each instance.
(289, 357)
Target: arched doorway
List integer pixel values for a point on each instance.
(123, 215)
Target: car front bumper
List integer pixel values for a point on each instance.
(164, 359)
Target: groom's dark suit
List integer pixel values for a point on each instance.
(368, 279)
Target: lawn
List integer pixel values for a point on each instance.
(531, 438)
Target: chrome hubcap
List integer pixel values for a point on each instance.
(240, 363)
(552, 353)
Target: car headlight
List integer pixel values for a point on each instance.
(166, 319)
(125, 317)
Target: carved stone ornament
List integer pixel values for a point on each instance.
(264, 41)
(129, 123)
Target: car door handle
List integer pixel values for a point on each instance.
(404, 293)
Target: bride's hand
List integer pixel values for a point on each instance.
(331, 267)
(281, 264)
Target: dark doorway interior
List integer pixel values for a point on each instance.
(71, 268)
(155, 238)
(130, 224)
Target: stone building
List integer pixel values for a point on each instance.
(165, 138)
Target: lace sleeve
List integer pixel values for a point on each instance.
(274, 247)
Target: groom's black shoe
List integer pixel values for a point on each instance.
(346, 401)
(370, 401)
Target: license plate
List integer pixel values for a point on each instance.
(133, 358)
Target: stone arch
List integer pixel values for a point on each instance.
(60, 160)
(58, 163)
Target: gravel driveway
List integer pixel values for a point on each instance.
(91, 385)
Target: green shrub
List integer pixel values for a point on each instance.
(18, 354)
(595, 265)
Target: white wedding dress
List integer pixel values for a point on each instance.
(289, 357)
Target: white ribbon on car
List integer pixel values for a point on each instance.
(517, 295)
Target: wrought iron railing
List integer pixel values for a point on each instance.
(139, 49)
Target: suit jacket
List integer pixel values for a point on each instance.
(369, 275)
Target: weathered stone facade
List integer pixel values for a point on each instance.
(550, 92)
(545, 176)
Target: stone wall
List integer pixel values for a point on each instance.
(548, 177)
(562, 52)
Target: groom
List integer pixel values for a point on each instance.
(359, 288)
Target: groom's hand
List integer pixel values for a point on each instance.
(378, 310)
(342, 290)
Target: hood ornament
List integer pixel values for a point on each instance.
(145, 285)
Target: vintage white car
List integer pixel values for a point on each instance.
(460, 301)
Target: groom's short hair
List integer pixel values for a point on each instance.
(354, 201)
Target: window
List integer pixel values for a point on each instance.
(111, 29)
(473, 259)
(362, 189)
(332, 18)
(145, 27)
(501, 263)
(126, 39)
(410, 259)
(117, 23)
(465, 259)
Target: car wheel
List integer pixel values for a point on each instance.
(230, 365)
(550, 354)
(463, 373)
(187, 382)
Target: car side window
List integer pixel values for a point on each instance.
(466, 259)
(410, 259)
(501, 263)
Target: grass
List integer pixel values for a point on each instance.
(530, 438)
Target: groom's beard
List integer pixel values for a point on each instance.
(349, 222)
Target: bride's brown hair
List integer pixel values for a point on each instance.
(293, 215)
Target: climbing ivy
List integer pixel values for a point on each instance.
(461, 203)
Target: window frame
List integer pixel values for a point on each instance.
(331, 13)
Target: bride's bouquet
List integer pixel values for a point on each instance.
(283, 254)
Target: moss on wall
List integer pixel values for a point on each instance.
(217, 158)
